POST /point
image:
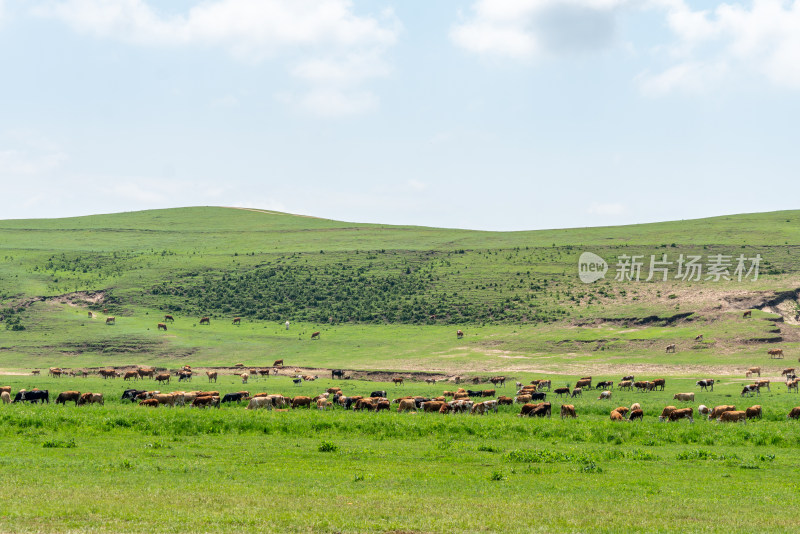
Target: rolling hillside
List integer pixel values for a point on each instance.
(519, 290)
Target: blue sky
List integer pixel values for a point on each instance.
(486, 114)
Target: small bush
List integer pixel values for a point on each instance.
(327, 446)
(59, 444)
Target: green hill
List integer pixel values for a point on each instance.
(269, 267)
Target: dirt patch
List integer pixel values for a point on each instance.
(77, 298)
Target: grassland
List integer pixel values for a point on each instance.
(121, 467)
(389, 298)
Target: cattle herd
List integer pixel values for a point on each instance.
(532, 397)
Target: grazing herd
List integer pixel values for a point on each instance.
(532, 397)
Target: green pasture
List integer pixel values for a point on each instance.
(121, 467)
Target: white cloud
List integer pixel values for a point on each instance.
(25, 154)
(335, 46)
(525, 29)
(333, 102)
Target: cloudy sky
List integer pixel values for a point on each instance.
(487, 114)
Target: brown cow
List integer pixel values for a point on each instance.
(488, 393)
(146, 371)
(568, 410)
(732, 416)
(671, 348)
(163, 377)
(775, 353)
(65, 396)
(522, 399)
(237, 320)
(795, 413)
(131, 374)
(719, 410)
(35, 372)
(699, 338)
(659, 383)
(398, 380)
(621, 409)
(111, 320)
(503, 400)
(748, 313)
(212, 375)
(666, 411)
(528, 408)
(205, 320)
(315, 335)
(431, 406)
(636, 414)
(459, 334)
(297, 402)
(788, 371)
(616, 416)
(162, 326)
(625, 384)
(584, 383)
(149, 402)
(683, 413)
(204, 401)
(169, 318)
(753, 412)
(278, 363)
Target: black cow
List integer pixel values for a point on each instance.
(606, 384)
(337, 373)
(543, 410)
(475, 393)
(381, 394)
(538, 396)
(131, 394)
(33, 396)
(419, 400)
(233, 397)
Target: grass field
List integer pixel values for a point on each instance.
(389, 299)
(121, 467)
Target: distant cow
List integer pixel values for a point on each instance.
(503, 400)
(212, 375)
(162, 377)
(685, 397)
(91, 398)
(562, 391)
(787, 371)
(748, 313)
(498, 380)
(66, 396)
(406, 405)
(732, 416)
(636, 414)
(337, 373)
(205, 401)
(111, 320)
(459, 334)
(130, 374)
(237, 320)
(130, 394)
(604, 395)
(605, 384)
(152, 403)
(753, 412)
(315, 335)
(625, 384)
(244, 377)
(278, 363)
(753, 371)
(205, 320)
(162, 326)
(671, 348)
(379, 393)
(763, 384)
(792, 385)
(234, 397)
(577, 392)
(297, 402)
(568, 410)
(169, 318)
(705, 384)
(659, 383)
(398, 380)
(750, 389)
(775, 353)
(584, 383)
(699, 338)
(258, 402)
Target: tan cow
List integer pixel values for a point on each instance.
(775, 353)
(259, 402)
(167, 399)
(616, 416)
(685, 397)
(299, 401)
(682, 413)
(5, 397)
(212, 375)
(130, 374)
(753, 371)
(149, 402)
(406, 405)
